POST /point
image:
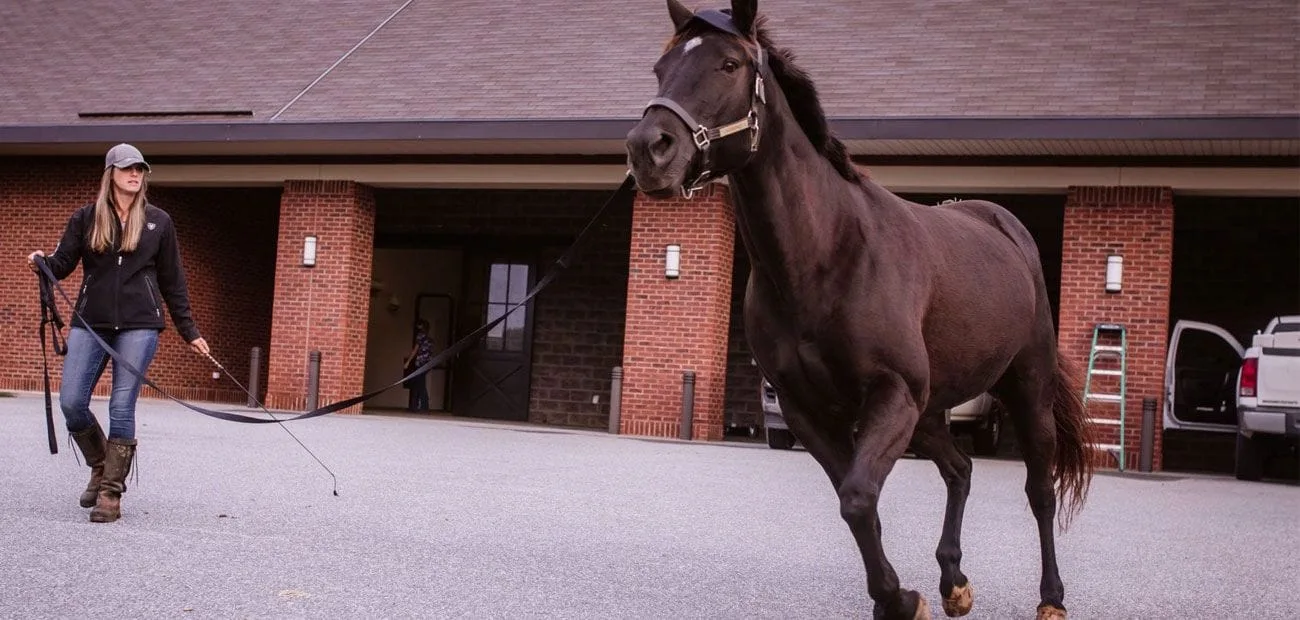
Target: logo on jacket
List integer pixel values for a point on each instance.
(151, 225)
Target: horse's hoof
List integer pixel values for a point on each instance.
(959, 601)
(897, 610)
(922, 609)
(1048, 611)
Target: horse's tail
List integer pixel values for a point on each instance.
(1072, 470)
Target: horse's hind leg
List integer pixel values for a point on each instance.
(887, 419)
(933, 440)
(1027, 392)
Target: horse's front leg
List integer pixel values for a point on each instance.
(933, 440)
(832, 450)
(887, 419)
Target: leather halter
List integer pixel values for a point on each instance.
(703, 136)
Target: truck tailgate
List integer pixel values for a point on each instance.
(1279, 370)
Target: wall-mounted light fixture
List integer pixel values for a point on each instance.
(672, 261)
(1114, 273)
(394, 303)
(309, 251)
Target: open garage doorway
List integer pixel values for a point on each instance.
(409, 284)
(1236, 264)
(461, 257)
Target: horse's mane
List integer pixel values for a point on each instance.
(800, 93)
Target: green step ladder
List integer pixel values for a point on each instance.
(1113, 352)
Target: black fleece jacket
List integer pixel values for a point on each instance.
(126, 290)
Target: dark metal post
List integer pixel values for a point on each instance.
(688, 404)
(254, 372)
(1146, 456)
(313, 380)
(615, 398)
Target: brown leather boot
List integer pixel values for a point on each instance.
(93, 445)
(117, 465)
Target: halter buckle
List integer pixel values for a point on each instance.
(688, 190)
(701, 137)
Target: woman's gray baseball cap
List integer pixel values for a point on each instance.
(124, 156)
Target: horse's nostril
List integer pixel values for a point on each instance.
(662, 146)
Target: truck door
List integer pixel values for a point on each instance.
(1201, 378)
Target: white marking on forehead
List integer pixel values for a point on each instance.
(692, 44)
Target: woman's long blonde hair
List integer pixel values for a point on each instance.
(105, 229)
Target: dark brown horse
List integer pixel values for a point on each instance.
(869, 314)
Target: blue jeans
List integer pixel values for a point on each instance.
(85, 363)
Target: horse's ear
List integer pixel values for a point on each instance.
(679, 13)
(743, 13)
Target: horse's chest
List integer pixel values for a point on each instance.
(793, 351)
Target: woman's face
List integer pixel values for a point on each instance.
(128, 180)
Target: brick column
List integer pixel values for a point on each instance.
(325, 307)
(678, 324)
(1136, 223)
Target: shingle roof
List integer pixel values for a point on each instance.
(63, 57)
(937, 77)
(461, 59)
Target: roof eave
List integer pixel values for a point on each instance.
(1235, 137)
(889, 128)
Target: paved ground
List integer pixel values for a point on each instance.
(450, 518)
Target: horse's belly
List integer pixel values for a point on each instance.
(972, 342)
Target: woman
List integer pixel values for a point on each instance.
(421, 353)
(131, 265)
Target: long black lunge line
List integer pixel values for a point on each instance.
(560, 264)
(50, 314)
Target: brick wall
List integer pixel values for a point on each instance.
(36, 199)
(679, 324)
(220, 233)
(1136, 223)
(325, 307)
(578, 320)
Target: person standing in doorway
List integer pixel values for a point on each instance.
(131, 267)
(421, 353)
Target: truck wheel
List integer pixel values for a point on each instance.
(1249, 458)
(986, 435)
(780, 439)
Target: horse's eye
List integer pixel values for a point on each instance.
(730, 66)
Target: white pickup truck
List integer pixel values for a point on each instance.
(1212, 383)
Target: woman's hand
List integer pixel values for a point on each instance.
(200, 346)
(31, 259)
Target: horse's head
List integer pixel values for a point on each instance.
(704, 123)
